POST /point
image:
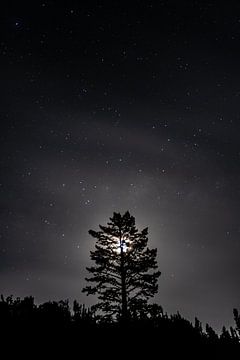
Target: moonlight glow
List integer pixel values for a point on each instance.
(120, 245)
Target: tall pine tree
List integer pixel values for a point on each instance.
(123, 277)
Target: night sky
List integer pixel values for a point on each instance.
(112, 106)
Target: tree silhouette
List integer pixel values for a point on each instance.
(225, 337)
(237, 320)
(211, 334)
(124, 277)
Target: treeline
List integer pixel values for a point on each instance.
(22, 316)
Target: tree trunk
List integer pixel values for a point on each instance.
(124, 297)
(123, 284)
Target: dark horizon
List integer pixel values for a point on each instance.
(107, 107)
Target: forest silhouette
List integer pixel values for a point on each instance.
(123, 278)
(58, 321)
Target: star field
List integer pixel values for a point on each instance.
(113, 107)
